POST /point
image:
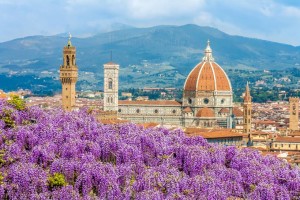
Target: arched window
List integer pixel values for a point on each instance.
(111, 100)
(73, 60)
(68, 60)
(110, 84)
(108, 99)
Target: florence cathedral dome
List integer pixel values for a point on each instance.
(207, 75)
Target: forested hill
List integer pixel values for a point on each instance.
(178, 47)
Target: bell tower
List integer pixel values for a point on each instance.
(68, 76)
(111, 86)
(294, 113)
(247, 110)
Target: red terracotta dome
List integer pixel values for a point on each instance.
(207, 76)
(205, 112)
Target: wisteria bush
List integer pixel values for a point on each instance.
(69, 155)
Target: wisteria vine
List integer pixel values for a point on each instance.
(69, 155)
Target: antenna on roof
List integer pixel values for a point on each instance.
(110, 41)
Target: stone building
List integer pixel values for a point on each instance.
(207, 100)
(225, 137)
(68, 76)
(286, 144)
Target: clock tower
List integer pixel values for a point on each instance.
(68, 76)
(294, 113)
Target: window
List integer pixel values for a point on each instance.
(68, 60)
(73, 60)
(155, 111)
(222, 101)
(120, 110)
(190, 101)
(110, 84)
(206, 101)
(137, 110)
(174, 111)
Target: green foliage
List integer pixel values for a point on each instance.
(252, 187)
(56, 180)
(2, 161)
(17, 102)
(7, 118)
(1, 178)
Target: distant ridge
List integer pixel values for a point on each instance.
(179, 46)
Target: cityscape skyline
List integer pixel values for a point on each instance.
(274, 20)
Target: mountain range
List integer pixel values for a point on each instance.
(144, 54)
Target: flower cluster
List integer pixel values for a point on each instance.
(69, 155)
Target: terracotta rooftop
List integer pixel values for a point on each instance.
(116, 121)
(207, 76)
(237, 112)
(265, 122)
(288, 139)
(212, 133)
(148, 125)
(156, 103)
(205, 112)
(224, 110)
(187, 109)
(216, 134)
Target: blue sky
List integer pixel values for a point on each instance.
(275, 20)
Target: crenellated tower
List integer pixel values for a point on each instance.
(247, 110)
(68, 76)
(111, 86)
(294, 113)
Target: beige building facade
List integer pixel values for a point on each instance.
(286, 144)
(207, 100)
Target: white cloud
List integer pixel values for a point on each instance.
(275, 20)
(162, 8)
